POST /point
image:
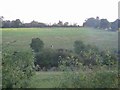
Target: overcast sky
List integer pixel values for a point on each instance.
(50, 11)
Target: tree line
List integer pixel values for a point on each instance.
(18, 24)
(102, 24)
(90, 22)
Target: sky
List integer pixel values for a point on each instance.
(51, 11)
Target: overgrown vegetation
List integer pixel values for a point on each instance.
(85, 66)
(17, 69)
(87, 55)
(98, 77)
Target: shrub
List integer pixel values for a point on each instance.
(16, 69)
(49, 58)
(90, 55)
(79, 46)
(105, 79)
(37, 44)
(46, 59)
(108, 58)
(71, 63)
(89, 78)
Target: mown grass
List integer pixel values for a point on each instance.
(58, 37)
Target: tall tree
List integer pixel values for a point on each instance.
(66, 24)
(115, 25)
(104, 24)
(92, 22)
(60, 23)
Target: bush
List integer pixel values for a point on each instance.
(16, 69)
(90, 55)
(71, 63)
(105, 79)
(49, 58)
(79, 46)
(46, 59)
(89, 78)
(108, 58)
(37, 44)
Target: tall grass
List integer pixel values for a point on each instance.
(90, 78)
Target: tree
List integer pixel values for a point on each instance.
(37, 44)
(60, 23)
(115, 25)
(92, 22)
(18, 23)
(46, 59)
(66, 24)
(104, 24)
(6, 24)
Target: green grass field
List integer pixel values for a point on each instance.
(58, 37)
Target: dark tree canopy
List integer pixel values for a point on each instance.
(37, 44)
(92, 22)
(104, 24)
(115, 25)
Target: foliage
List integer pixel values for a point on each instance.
(104, 24)
(46, 59)
(17, 69)
(97, 77)
(115, 25)
(70, 63)
(12, 24)
(79, 46)
(91, 55)
(49, 58)
(86, 54)
(37, 44)
(105, 79)
(92, 22)
(109, 58)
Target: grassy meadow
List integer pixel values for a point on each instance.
(58, 37)
(18, 39)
